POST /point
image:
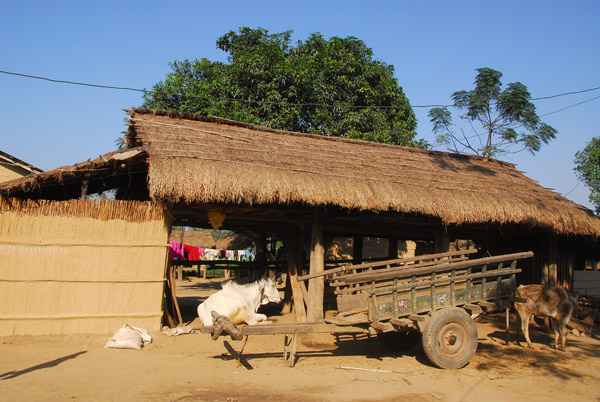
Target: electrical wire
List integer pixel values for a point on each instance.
(566, 93)
(72, 82)
(574, 187)
(568, 107)
(542, 115)
(269, 102)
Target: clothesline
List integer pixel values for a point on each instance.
(185, 252)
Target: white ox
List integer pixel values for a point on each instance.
(239, 302)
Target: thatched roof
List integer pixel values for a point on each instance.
(190, 159)
(103, 173)
(210, 160)
(196, 238)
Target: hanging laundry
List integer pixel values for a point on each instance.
(193, 253)
(176, 251)
(211, 253)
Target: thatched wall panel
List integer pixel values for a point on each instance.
(76, 267)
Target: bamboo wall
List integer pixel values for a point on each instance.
(86, 266)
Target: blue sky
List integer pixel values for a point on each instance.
(435, 46)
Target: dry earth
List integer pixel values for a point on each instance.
(195, 368)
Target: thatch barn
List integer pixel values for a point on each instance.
(211, 172)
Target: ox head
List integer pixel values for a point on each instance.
(270, 294)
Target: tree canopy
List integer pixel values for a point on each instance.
(332, 87)
(507, 119)
(587, 168)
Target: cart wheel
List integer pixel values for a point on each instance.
(399, 341)
(450, 338)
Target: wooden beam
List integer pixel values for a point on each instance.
(316, 286)
(441, 241)
(550, 258)
(392, 248)
(357, 250)
(398, 261)
(293, 253)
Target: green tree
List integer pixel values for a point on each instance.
(587, 168)
(500, 114)
(332, 87)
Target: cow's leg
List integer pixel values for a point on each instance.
(520, 314)
(254, 319)
(564, 338)
(525, 329)
(560, 330)
(557, 332)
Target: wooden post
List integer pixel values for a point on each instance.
(293, 254)
(357, 250)
(441, 242)
(84, 189)
(392, 248)
(550, 260)
(316, 286)
(260, 240)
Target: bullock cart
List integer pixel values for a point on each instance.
(430, 298)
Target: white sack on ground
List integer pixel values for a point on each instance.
(129, 337)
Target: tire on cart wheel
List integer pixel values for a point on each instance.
(400, 341)
(450, 338)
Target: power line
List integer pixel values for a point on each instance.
(568, 107)
(542, 115)
(72, 82)
(566, 93)
(270, 102)
(200, 96)
(574, 187)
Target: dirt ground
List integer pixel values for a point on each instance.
(193, 367)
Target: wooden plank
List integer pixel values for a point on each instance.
(402, 322)
(346, 268)
(459, 279)
(437, 268)
(289, 328)
(356, 278)
(351, 302)
(413, 302)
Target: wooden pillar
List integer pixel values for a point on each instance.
(84, 189)
(357, 250)
(392, 248)
(293, 254)
(550, 260)
(441, 242)
(260, 240)
(316, 286)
